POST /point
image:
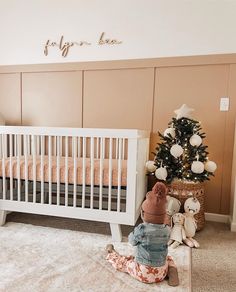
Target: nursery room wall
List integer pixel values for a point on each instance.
(167, 56)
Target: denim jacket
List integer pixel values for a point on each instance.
(151, 243)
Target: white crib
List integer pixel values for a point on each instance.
(92, 174)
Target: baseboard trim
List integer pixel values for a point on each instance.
(217, 217)
(232, 224)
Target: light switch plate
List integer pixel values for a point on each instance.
(224, 104)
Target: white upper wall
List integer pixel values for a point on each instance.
(147, 28)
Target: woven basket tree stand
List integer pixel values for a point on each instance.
(184, 190)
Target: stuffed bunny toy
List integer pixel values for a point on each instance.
(177, 234)
(191, 207)
(172, 207)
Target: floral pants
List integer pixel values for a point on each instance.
(143, 273)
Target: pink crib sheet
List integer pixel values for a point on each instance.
(79, 170)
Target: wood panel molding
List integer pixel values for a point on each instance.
(124, 64)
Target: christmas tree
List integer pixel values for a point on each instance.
(181, 153)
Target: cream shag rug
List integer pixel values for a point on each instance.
(41, 259)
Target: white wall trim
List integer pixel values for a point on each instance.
(217, 217)
(232, 224)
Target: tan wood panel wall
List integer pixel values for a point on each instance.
(10, 98)
(131, 94)
(118, 98)
(52, 99)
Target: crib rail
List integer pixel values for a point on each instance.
(71, 168)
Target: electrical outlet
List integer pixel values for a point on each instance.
(224, 104)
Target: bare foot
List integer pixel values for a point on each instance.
(110, 248)
(173, 276)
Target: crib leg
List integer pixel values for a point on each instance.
(116, 232)
(3, 215)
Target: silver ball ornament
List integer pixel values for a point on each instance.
(195, 140)
(170, 131)
(150, 166)
(161, 173)
(197, 167)
(210, 166)
(176, 150)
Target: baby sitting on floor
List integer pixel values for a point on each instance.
(151, 263)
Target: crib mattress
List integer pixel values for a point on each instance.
(79, 170)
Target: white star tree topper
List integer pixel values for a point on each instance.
(183, 112)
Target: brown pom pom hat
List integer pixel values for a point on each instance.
(154, 207)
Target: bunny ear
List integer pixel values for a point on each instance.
(193, 196)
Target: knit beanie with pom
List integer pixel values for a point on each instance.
(154, 207)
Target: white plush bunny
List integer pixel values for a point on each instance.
(177, 234)
(191, 207)
(172, 207)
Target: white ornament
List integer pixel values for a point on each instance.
(210, 166)
(150, 166)
(170, 131)
(183, 112)
(195, 140)
(176, 150)
(161, 173)
(197, 167)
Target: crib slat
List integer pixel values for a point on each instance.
(1, 178)
(91, 171)
(75, 169)
(97, 147)
(60, 143)
(29, 145)
(103, 148)
(18, 142)
(123, 149)
(66, 171)
(34, 167)
(26, 145)
(37, 145)
(3, 166)
(11, 174)
(50, 169)
(54, 146)
(110, 174)
(84, 172)
(1, 145)
(117, 149)
(42, 168)
(101, 173)
(58, 169)
(119, 175)
(79, 148)
(15, 145)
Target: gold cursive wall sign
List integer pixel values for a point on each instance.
(64, 47)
